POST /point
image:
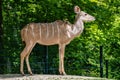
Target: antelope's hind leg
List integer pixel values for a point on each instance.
(27, 58)
(25, 54)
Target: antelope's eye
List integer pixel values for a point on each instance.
(85, 14)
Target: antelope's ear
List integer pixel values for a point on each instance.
(77, 9)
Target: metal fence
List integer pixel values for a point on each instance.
(43, 63)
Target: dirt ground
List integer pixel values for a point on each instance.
(46, 77)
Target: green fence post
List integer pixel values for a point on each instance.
(101, 61)
(106, 68)
(46, 59)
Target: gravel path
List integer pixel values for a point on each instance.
(46, 77)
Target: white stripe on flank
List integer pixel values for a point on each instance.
(39, 29)
(58, 30)
(47, 30)
(52, 29)
(32, 30)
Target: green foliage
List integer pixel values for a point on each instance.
(83, 51)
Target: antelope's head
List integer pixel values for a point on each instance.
(81, 15)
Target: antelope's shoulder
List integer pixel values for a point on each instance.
(65, 22)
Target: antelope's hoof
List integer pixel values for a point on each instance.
(31, 73)
(23, 74)
(63, 73)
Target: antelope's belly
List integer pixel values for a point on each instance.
(48, 41)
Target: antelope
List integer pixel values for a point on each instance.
(57, 32)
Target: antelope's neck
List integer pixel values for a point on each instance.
(77, 28)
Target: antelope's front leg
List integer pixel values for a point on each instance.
(61, 59)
